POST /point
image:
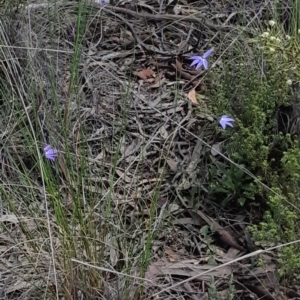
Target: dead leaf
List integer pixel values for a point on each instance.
(5, 238)
(192, 97)
(163, 132)
(92, 51)
(9, 218)
(172, 255)
(152, 272)
(96, 63)
(182, 72)
(185, 268)
(229, 240)
(115, 39)
(17, 286)
(186, 221)
(158, 77)
(114, 253)
(173, 164)
(64, 169)
(216, 149)
(161, 202)
(231, 254)
(158, 80)
(128, 150)
(123, 176)
(173, 207)
(144, 74)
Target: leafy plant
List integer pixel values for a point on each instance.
(252, 93)
(230, 184)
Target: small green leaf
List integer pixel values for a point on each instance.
(204, 230)
(219, 189)
(225, 201)
(242, 201)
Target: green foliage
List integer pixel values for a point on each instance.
(291, 163)
(289, 261)
(230, 184)
(212, 290)
(251, 93)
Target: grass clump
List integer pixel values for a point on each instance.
(66, 210)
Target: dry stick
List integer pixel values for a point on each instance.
(116, 11)
(191, 278)
(108, 270)
(166, 17)
(169, 17)
(136, 37)
(225, 264)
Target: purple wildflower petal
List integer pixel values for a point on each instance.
(230, 120)
(226, 121)
(205, 64)
(196, 57)
(196, 61)
(208, 53)
(48, 147)
(223, 125)
(225, 117)
(50, 153)
(199, 65)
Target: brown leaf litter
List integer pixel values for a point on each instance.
(144, 74)
(192, 96)
(157, 148)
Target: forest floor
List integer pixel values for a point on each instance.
(143, 191)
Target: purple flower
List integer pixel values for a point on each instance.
(102, 2)
(201, 60)
(226, 121)
(50, 153)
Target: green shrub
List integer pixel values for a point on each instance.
(251, 89)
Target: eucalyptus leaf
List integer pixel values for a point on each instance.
(204, 230)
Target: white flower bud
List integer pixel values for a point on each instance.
(272, 23)
(289, 82)
(265, 34)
